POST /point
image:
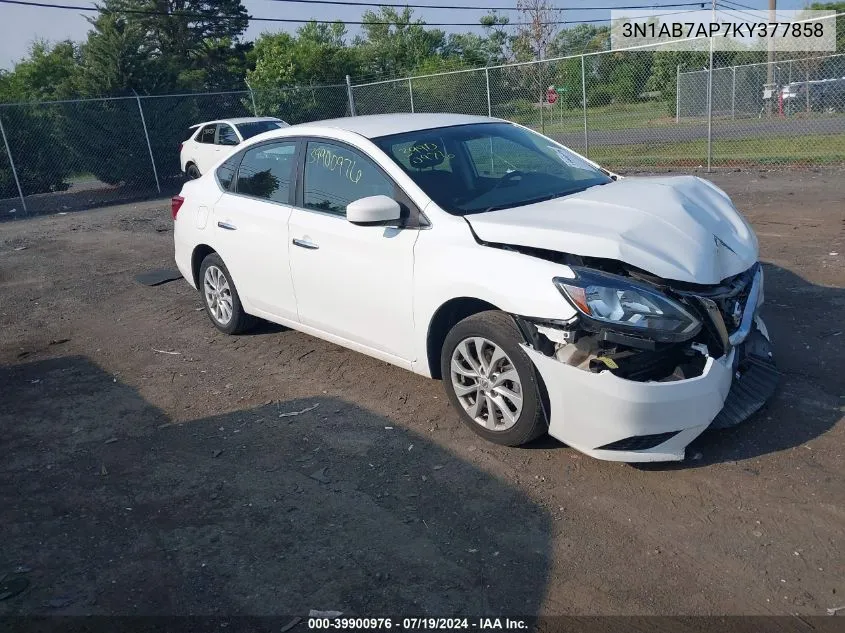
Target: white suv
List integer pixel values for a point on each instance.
(620, 315)
(211, 141)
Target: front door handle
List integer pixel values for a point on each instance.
(305, 244)
(227, 226)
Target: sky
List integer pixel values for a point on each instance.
(20, 25)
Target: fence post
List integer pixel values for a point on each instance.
(147, 136)
(487, 81)
(710, 109)
(678, 94)
(349, 96)
(584, 104)
(411, 94)
(807, 78)
(252, 97)
(12, 165)
(733, 94)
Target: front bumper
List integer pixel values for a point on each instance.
(612, 418)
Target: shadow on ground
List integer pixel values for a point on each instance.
(107, 508)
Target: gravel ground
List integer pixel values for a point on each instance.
(155, 466)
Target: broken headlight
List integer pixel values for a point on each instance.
(617, 303)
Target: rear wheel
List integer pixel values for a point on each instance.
(491, 381)
(220, 297)
(192, 171)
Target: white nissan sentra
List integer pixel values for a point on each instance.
(551, 296)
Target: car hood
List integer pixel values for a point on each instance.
(681, 228)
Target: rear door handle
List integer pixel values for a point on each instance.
(227, 226)
(305, 244)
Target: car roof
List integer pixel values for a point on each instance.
(375, 125)
(237, 120)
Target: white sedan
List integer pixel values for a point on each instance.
(549, 295)
(211, 141)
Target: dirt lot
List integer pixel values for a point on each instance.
(147, 468)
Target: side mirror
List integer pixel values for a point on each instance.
(373, 210)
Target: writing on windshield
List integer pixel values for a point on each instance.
(478, 167)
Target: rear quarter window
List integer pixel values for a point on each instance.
(226, 172)
(207, 134)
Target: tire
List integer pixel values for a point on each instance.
(192, 171)
(220, 297)
(495, 334)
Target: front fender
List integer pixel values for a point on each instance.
(449, 263)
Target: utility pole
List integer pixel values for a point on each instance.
(710, 98)
(770, 66)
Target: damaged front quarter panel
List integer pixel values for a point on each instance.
(631, 398)
(624, 403)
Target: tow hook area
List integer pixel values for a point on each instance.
(630, 358)
(755, 379)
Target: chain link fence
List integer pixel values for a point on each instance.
(790, 111)
(643, 108)
(79, 154)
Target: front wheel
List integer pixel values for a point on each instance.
(491, 381)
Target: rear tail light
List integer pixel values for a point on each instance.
(181, 145)
(176, 204)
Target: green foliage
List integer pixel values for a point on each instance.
(839, 7)
(664, 73)
(393, 42)
(47, 73)
(285, 65)
(32, 131)
(583, 38)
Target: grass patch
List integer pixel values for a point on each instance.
(818, 149)
(645, 114)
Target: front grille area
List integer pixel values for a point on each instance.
(756, 382)
(731, 300)
(729, 297)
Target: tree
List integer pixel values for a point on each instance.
(534, 36)
(287, 65)
(664, 73)
(465, 49)
(393, 43)
(116, 59)
(583, 38)
(187, 45)
(497, 40)
(48, 72)
(839, 7)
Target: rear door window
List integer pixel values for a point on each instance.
(336, 175)
(266, 170)
(226, 135)
(207, 134)
(226, 172)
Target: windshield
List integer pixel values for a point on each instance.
(485, 166)
(248, 130)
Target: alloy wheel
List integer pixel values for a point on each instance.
(486, 383)
(218, 295)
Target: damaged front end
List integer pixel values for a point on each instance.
(648, 364)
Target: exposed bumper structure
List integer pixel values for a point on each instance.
(590, 411)
(616, 419)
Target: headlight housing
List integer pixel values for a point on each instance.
(617, 303)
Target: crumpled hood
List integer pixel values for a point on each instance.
(682, 228)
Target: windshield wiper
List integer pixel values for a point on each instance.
(551, 196)
(522, 203)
